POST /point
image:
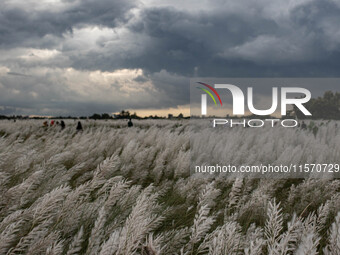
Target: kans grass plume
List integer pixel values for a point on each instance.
(113, 190)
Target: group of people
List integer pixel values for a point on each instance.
(79, 125)
(62, 124)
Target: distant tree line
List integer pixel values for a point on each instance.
(96, 116)
(11, 117)
(127, 115)
(325, 107)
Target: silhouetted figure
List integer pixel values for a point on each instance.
(45, 124)
(62, 124)
(303, 125)
(79, 126)
(130, 124)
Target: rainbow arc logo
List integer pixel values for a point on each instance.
(209, 93)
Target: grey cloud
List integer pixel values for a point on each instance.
(5, 110)
(299, 42)
(304, 42)
(141, 79)
(170, 45)
(23, 25)
(50, 93)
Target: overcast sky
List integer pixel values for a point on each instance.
(77, 57)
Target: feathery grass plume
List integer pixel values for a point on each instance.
(273, 226)
(308, 245)
(235, 192)
(202, 224)
(333, 246)
(226, 239)
(35, 236)
(77, 242)
(48, 206)
(78, 195)
(60, 158)
(308, 236)
(4, 179)
(142, 220)
(97, 233)
(112, 244)
(309, 224)
(9, 236)
(130, 149)
(118, 192)
(28, 187)
(182, 166)
(12, 217)
(209, 195)
(31, 193)
(202, 220)
(254, 241)
(252, 206)
(46, 244)
(107, 167)
(56, 248)
(75, 209)
(120, 203)
(315, 192)
(172, 241)
(288, 239)
(127, 201)
(23, 163)
(118, 189)
(322, 215)
(150, 246)
(233, 200)
(160, 164)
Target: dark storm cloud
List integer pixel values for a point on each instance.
(305, 42)
(23, 24)
(170, 44)
(179, 40)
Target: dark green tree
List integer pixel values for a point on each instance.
(325, 107)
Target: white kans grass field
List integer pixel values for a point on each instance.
(117, 190)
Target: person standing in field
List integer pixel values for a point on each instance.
(79, 126)
(130, 124)
(62, 124)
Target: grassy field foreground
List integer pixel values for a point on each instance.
(116, 190)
